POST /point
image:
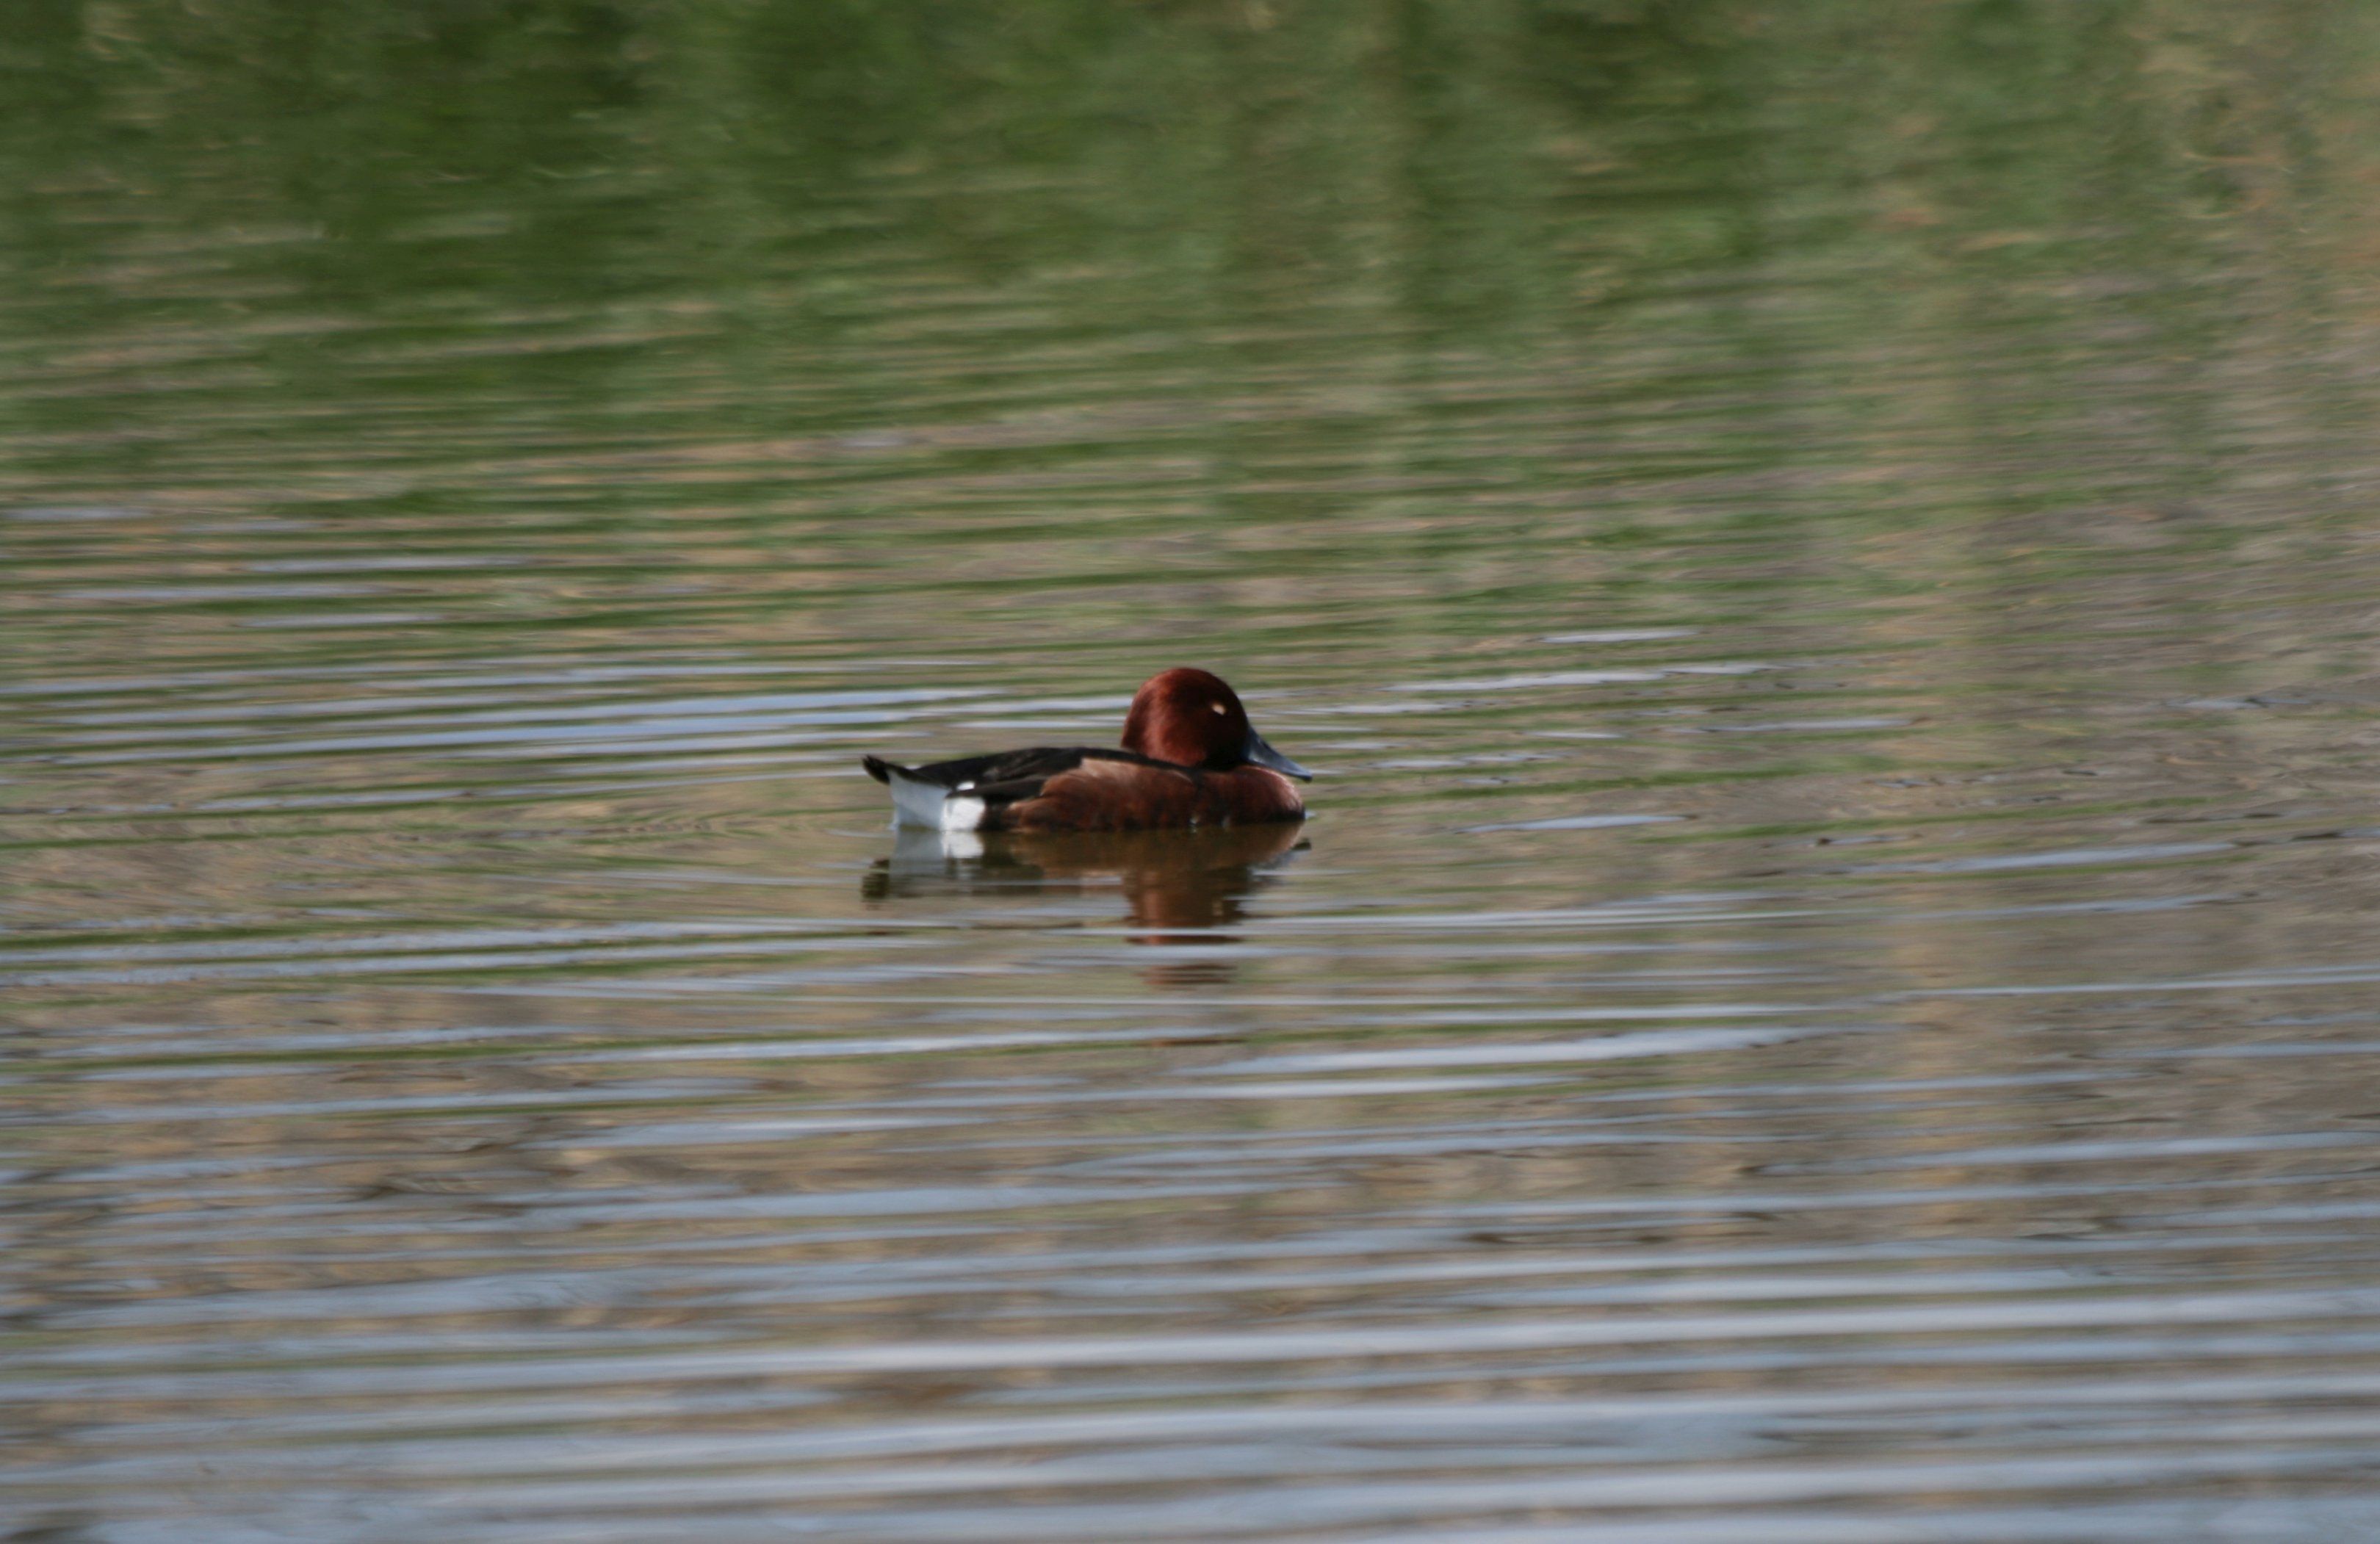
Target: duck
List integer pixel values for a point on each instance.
(1189, 757)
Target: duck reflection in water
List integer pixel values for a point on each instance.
(1180, 886)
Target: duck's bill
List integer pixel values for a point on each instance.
(1262, 755)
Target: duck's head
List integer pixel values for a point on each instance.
(1191, 718)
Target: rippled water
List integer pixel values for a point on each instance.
(1824, 554)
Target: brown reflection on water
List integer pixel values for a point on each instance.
(1178, 887)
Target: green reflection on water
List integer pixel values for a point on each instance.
(1451, 314)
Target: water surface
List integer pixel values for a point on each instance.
(1824, 554)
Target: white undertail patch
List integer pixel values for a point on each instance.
(916, 803)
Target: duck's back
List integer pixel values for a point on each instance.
(1079, 788)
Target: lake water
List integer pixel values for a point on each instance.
(1824, 554)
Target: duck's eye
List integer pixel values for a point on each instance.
(1218, 707)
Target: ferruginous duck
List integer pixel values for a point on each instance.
(1189, 758)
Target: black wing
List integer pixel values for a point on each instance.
(1007, 776)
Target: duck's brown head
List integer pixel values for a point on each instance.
(1190, 717)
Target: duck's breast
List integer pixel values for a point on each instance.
(1250, 795)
